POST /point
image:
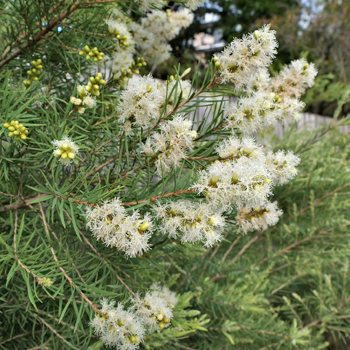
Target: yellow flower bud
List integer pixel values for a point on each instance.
(71, 155)
(11, 134)
(6, 125)
(144, 226)
(166, 320)
(161, 325)
(64, 155)
(23, 137)
(65, 147)
(11, 128)
(134, 339)
(160, 317)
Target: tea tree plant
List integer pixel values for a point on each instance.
(111, 188)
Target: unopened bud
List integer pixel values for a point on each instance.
(144, 226)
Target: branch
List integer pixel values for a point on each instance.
(43, 32)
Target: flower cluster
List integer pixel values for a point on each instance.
(282, 166)
(66, 150)
(92, 53)
(191, 221)
(118, 327)
(144, 100)
(34, 72)
(242, 182)
(266, 101)
(16, 130)
(46, 282)
(171, 142)
(258, 218)
(293, 80)
(241, 59)
(140, 103)
(87, 93)
(156, 29)
(155, 308)
(126, 329)
(111, 224)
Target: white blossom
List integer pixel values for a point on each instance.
(293, 80)
(235, 148)
(250, 114)
(241, 182)
(242, 57)
(166, 293)
(121, 61)
(282, 166)
(110, 223)
(118, 328)
(140, 102)
(193, 4)
(174, 139)
(66, 150)
(154, 310)
(258, 218)
(191, 222)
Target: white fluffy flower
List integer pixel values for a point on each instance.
(166, 293)
(121, 61)
(182, 18)
(154, 310)
(191, 222)
(152, 35)
(175, 138)
(193, 4)
(66, 150)
(290, 110)
(243, 57)
(282, 166)
(143, 39)
(294, 79)
(140, 102)
(258, 80)
(110, 223)
(121, 329)
(242, 182)
(250, 114)
(157, 53)
(117, 27)
(258, 218)
(235, 148)
(89, 101)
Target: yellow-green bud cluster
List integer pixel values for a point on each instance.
(16, 130)
(162, 321)
(46, 282)
(123, 39)
(216, 62)
(125, 74)
(34, 72)
(93, 87)
(92, 53)
(64, 152)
